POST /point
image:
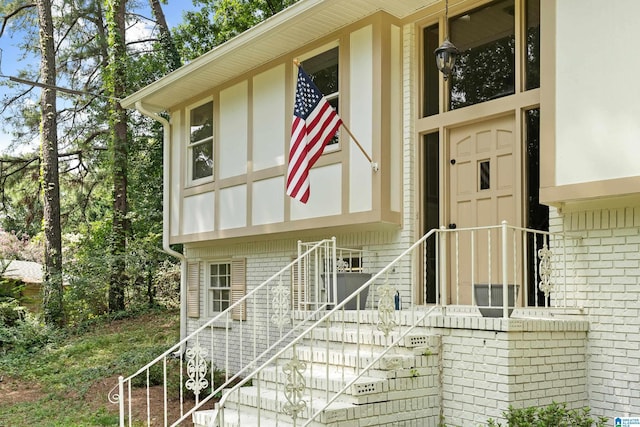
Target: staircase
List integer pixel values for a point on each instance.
(347, 374)
(305, 358)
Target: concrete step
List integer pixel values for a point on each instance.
(272, 401)
(415, 404)
(364, 390)
(390, 365)
(316, 377)
(369, 335)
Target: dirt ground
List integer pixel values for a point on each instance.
(14, 392)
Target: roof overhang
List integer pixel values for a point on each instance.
(291, 29)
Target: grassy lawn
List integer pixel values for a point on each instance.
(67, 384)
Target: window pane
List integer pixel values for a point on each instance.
(485, 175)
(431, 208)
(323, 70)
(430, 82)
(223, 269)
(485, 69)
(219, 283)
(214, 269)
(202, 160)
(533, 44)
(201, 122)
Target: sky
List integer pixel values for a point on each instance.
(11, 63)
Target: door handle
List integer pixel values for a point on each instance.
(452, 226)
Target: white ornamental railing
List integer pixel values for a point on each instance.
(198, 368)
(485, 258)
(460, 267)
(503, 267)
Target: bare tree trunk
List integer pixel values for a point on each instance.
(168, 47)
(116, 86)
(52, 289)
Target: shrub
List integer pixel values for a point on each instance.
(554, 415)
(11, 312)
(26, 335)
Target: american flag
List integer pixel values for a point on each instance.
(314, 124)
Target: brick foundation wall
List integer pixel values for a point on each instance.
(606, 271)
(489, 364)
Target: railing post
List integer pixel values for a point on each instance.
(121, 399)
(443, 266)
(297, 303)
(505, 273)
(334, 271)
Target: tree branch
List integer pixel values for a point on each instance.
(12, 14)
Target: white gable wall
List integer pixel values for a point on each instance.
(234, 121)
(326, 187)
(269, 108)
(197, 213)
(360, 118)
(233, 207)
(268, 201)
(597, 87)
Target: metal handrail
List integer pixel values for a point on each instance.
(118, 398)
(504, 227)
(319, 317)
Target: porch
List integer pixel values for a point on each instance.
(302, 357)
(460, 368)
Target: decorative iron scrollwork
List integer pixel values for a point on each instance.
(295, 386)
(196, 369)
(386, 308)
(545, 269)
(281, 301)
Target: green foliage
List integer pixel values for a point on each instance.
(86, 165)
(11, 312)
(554, 415)
(70, 371)
(216, 21)
(22, 332)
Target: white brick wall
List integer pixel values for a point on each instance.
(607, 273)
(531, 364)
(263, 259)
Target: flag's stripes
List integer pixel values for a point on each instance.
(314, 124)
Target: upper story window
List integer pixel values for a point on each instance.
(323, 70)
(201, 143)
(485, 69)
(533, 45)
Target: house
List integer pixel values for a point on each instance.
(535, 129)
(28, 276)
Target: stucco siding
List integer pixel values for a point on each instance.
(267, 206)
(233, 207)
(597, 127)
(326, 187)
(193, 208)
(269, 120)
(361, 116)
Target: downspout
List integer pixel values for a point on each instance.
(166, 191)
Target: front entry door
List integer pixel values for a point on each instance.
(484, 181)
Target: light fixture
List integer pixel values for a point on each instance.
(446, 54)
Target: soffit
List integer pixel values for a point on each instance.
(293, 28)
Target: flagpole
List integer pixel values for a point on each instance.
(373, 164)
